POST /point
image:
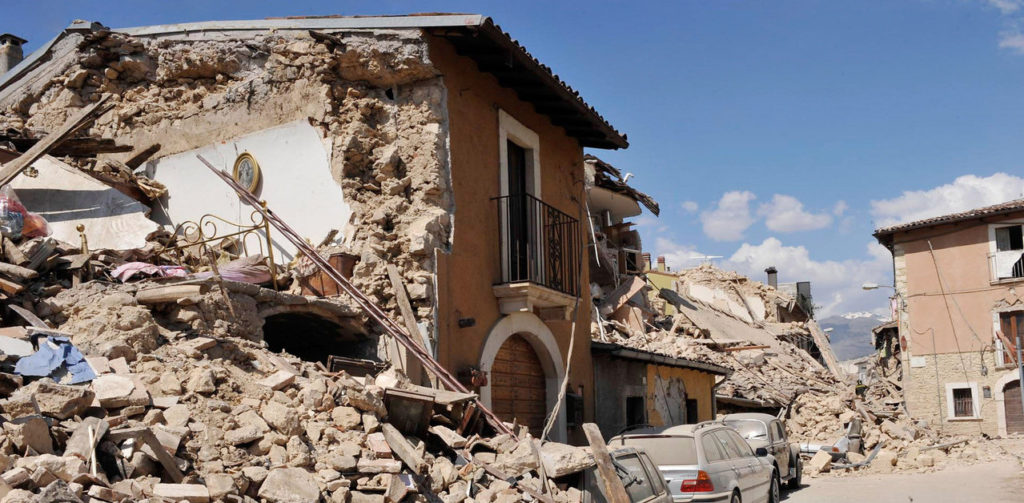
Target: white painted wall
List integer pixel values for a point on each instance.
(296, 183)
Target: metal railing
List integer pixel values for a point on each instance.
(538, 244)
(192, 242)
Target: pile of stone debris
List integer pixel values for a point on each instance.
(191, 405)
(731, 321)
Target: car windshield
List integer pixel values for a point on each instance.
(666, 450)
(749, 428)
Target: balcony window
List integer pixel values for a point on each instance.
(539, 244)
(1009, 256)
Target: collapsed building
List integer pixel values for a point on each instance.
(432, 162)
(689, 345)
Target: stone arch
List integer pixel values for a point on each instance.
(533, 330)
(1007, 378)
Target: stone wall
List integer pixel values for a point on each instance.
(927, 401)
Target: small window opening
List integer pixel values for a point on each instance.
(963, 403)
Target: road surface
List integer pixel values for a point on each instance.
(993, 482)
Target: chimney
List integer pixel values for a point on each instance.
(661, 263)
(647, 261)
(10, 52)
(773, 276)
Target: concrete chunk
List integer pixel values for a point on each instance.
(289, 485)
(194, 493)
(113, 390)
(821, 462)
(278, 380)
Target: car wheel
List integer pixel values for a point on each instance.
(773, 491)
(794, 482)
(736, 497)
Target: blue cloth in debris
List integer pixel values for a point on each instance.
(54, 353)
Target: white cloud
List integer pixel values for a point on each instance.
(840, 208)
(1006, 6)
(835, 285)
(690, 206)
(1013, 41)
(966, 192)
(786, 214)
(730, 217)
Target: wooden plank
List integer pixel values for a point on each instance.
(165, 294)
(11, 287)
(83, 118)
(825, 348)
(13, 253)
(742, 348)
(614, 491)
(18, 272)
(42, 254)
(413, 369)
(405, 450)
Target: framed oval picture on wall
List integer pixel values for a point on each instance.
(247, 171)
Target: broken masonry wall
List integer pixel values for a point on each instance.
(466, 275)
(376, 100)
(668, 388)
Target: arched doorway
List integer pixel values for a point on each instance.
(313, 337)
(535, 358)
(518, 387)
(1012, 409)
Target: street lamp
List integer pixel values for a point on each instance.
(875, 286)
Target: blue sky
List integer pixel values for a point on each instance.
(772, 133)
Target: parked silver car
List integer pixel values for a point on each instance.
(707, 461)
(766, 431)
(643, 481)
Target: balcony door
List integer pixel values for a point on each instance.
(518, 212)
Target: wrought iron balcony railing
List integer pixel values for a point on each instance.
(538, 244)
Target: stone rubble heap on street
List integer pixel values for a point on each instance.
(187, 385)
(771, 369)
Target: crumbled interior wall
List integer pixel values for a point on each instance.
(377, 100)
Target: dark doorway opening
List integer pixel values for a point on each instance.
(314, 338)
(636, 411)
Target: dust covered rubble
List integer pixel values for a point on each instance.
(239, 422)
(817, 408)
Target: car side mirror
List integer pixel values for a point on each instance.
(761, 452)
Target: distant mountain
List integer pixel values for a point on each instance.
(851, 333)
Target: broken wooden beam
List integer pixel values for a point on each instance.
(613, 487)
(17, 272)
(171, 293)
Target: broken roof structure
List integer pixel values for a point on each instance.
(474, 36)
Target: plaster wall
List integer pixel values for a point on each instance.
(466, 275)
(666, 405)
(296, 183)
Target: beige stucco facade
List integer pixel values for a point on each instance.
(948, 304)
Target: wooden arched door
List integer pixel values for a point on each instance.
(518, 384)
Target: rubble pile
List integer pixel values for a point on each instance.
(723, 318)
(195, 407)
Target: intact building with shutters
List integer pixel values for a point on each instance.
(960, 316)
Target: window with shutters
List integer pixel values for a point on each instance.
(1011, 325)
(1008, 260)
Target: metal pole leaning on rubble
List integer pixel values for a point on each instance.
(368, 305)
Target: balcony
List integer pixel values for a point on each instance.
(541, 256)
